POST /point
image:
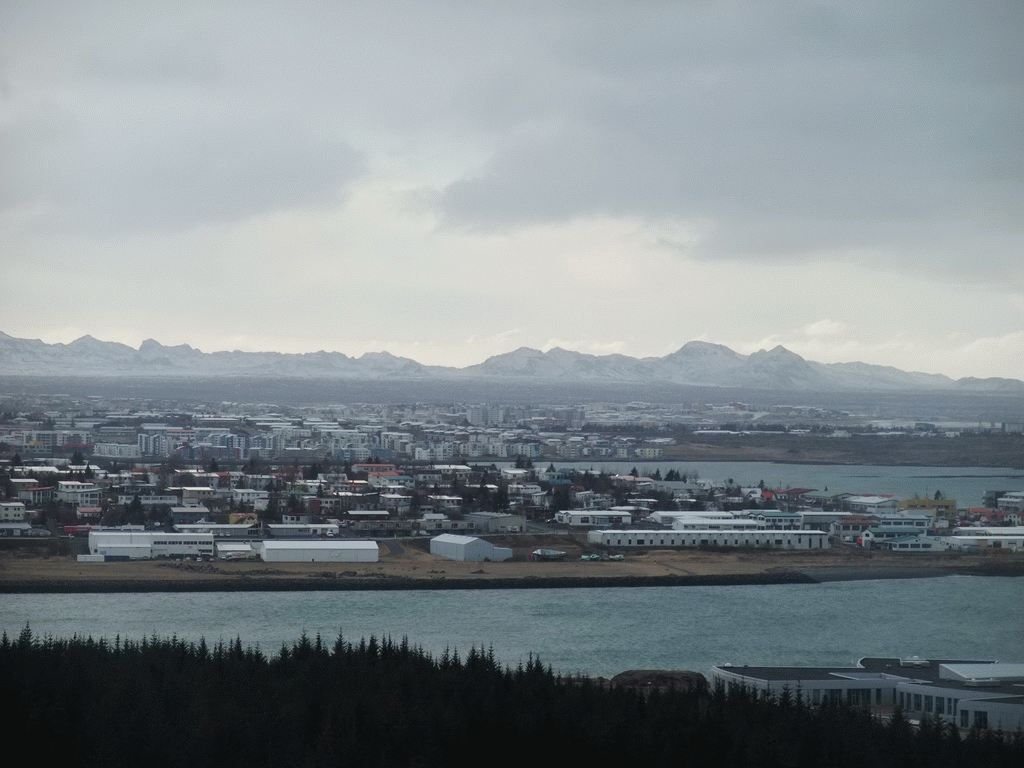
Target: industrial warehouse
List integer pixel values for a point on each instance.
(467, 549)
(318, 551)
(107, 546)
(142, 545)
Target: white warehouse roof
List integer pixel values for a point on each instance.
(467, 548)
(319, 551)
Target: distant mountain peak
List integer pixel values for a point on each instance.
(84, 340)
(704, 348)
(777, 351)
(698, 363)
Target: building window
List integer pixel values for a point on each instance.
(917, 702)
(963, 718)
(980, 720)
(940, 705)
(860, 697)
(927, 703)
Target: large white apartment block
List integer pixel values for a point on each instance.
(116, 451)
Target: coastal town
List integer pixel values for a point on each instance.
(200, 501)
(398, 385)
(149, 480)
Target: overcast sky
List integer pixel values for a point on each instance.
(452, 180)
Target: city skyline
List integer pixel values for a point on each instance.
(448, 182)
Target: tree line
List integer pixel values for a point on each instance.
(378, 702)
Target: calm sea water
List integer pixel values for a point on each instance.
(589, 631)
(965, 484)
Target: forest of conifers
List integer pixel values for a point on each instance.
(166, 702)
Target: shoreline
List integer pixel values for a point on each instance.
(387, 584)
(408, 565)
(153, 577)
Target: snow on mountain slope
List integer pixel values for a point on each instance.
(695, 363)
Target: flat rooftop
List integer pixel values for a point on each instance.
(975, 675)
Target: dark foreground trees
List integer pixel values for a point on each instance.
(163, 702)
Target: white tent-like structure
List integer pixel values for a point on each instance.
(467, 548)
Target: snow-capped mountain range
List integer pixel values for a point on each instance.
(696, 363)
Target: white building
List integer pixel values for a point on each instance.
(220, 530)
(319, 551)
(148, 500)
(194, 495)
(116, 451)
(253, 497)
(578, 517)
(143, 545)
(21, 529)
(918, 520)
(759, 539)
(307, 530)
(12, 512)
(235, 550)
(871, 504)
(78, 493)
(1011, 502)
(984, 541)
(990, 530)
(669, 517)
(496, 522)
(914, 544)
(694, 523)
(467, 548)
(874, 537)
(982, 694)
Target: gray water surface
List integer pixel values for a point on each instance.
(589, 631)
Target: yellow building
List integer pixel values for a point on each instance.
(940, 509)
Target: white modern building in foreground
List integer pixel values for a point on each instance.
(318, 551)
(968, 694)
(757, 539)
(467, 548)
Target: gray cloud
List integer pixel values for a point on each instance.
(868, 150)
(154, 60)
(136, 168)
(122, 119)
(786, 128)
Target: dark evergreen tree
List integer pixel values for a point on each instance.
(135, 514)
(167, 702)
